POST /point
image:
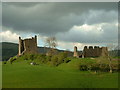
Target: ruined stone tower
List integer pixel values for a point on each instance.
(75, 52)
(27, 45)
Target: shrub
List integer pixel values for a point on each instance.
(61, 57)
(94, 67)
(57, 59)
(12, 59)
(66, 60)
(115, 67)
(83, 67)
(104, 67)
(48, 58)
(54, 60)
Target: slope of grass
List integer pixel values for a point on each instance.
(74, 63)
(23, 75)
(0, 74)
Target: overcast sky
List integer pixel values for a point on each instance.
(72, 24)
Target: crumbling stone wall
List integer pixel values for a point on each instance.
(27, 45)
(75, 52)
(104, 51)
(95, 51)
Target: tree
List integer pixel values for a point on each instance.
(51, 42)
(111, 48)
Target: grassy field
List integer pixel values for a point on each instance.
(0, 74)
(23, 75)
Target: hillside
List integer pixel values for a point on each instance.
(8, 50)
(50, 72)
(11, 49)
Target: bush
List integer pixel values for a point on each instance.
(104, 67)
(12, 59)
(48, 58)
(66, 60)
(98, 64)
(61, 57)
(57, 59)
(54, 60)
(83, 67)
(94, 67)
(115, 67)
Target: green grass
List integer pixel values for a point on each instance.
(0, 74)
(74, 63)
(23, 75)
(117, 57)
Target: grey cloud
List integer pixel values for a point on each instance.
(49, 18)
(54, 18)
(0, 14)
(109, 34)
(21, 4)
(101, 16)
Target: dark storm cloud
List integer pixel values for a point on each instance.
(0, 14)
(21, 4)
(51, 18)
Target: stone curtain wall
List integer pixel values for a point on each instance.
(95, 51)
(91, 51)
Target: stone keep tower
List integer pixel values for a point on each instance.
(27, 45)
(75, 52)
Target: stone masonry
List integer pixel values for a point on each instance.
(27, 45)
(91, 51)
(75, 52)
(95, 52)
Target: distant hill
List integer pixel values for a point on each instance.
(11, 49)
(8, 50)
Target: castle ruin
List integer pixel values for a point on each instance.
(27, 45)
(91, 51)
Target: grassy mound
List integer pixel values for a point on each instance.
(90, 64)
(58, 71)
(61, 60)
